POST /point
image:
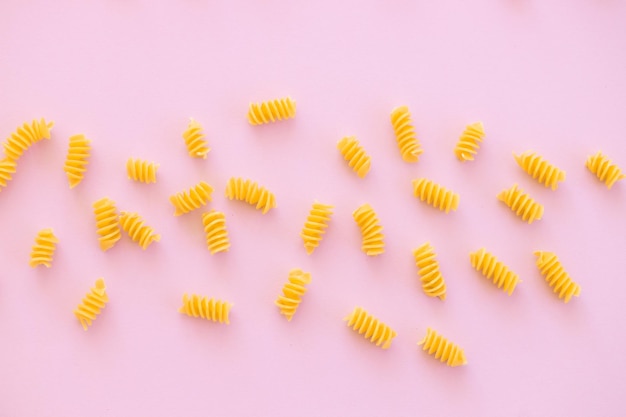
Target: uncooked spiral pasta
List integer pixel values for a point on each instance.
(494, 270)
(92, 304)
(7, 169)
(435, 195)
(107, 223)
(371, 230)
(293, 291)
(206, 308)
(406, 138)
(556, 276)
(522, 204)
(315, 225)
(540, 169)
(26, 136)
(141, 171)
(76, 161)
(271, 111)
(214, 223)
(433, 283)
(469, 142)
(250, 192)
(135, 227)
(442, 349)
(43, 250)
(194, 140)
(370, 327)
(603, 168)
(357, 158)
(197, 196)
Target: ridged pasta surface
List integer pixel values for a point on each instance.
(469, 142)
(370, 327)
(371, 231)
(107, 223)
(406, 138)
(7, 169)
(77, 159)
(194, 140)
(43, 250)
(137, 230)
(26, 136)
(603, 168)
(435, 195)
(206, 308)
(441, 348)
(315, 225)
(271, 111)
(521, 204)
(540, 169)
(250, 192)
(142, 171)
(494, 270)
(357, 158)
(92, 305)
(432, 281)
(214, 223)
(293, 291)
(556, 276)
(195, 197)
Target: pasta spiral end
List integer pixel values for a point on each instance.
(293, 291)
(92, 304)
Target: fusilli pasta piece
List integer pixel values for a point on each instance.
(206, 308)
(494, 270)
(250, 192)
(603, 168)
(406, 138)
(197, 196)
(7, 169)
(26, 136)
(271, 111)
(540, 169)
(43, 250)
(442, 349)
(357, 158)
(435, 195)
(141, 171)
(371, 231)
(556, 276)
(293, 291)
(370, 327)
(433, 283)
(194, 140)
(315, 225)
(522, 204)
(214, 223)
(76, 161)
(135, 227)
(92, 304)
(469, 142)
(107, 223)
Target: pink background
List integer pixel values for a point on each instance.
(547, 76)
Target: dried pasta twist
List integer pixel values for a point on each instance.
(135, 227)
(250, 192)
(189, 200)
(469, 142)
(194, 140)
(371, 230)
(603, 168)
(293, 291)
(370, 327)
(76, 161)
(214, 223)
(488, 265)
(206, 308)
(141, 171)
(406, 138)
(540, 169)
(315, 225)
(43, 250)
(442, 349)
(522, 204)
(7, 169)
(271, 111)
(357, 158)
(26, 136)
(92, 304)
(107, 223)
(556, 276)
(432, 281)
(435, 195)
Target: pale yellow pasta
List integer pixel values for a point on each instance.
(293, 291)
(77, 159)
(194, 140)
(197, 196)
(26, 136)
(433, 283)
(435, 195)
(370, 327)
(409, 146)
(494, 270)
(107, 223)
(469, 142)
(315, 225)
(556, 276)
(43, 250)
(142, 171)
(206, 308)
(92, 305)
(371, 231)
(135, 227)
(540, 169)
(521, 204)
(7, 169)
(214, 223)
(271, 111)
(250, 192)
(442, 349)
(357, 158)
(603, 168)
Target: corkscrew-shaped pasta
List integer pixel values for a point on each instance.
(26, 136)
(442, 349)
(135, 227)
(603, 168)
(433, 283)
(293, 291)
(206, 308)
(250, 192)
(435, 195)
(522, 204)
(370, 327)
(357, 158)
(556, 276)
(315, 225)
(540, 169)
(92, 304)
(43, 250)
(197, 196)
(408, 144)
(469, 142)
(141, 171)
(107, 223)
(271, 111)
(494, 270)
(371, 230)
(76, 161)
(194, 140)
(7, 169)
(214, 223)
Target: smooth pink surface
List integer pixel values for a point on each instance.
(546, 76)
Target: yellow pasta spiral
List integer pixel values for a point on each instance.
(134, 225)
(315, 225)
(405, 134)
(215, 229)
(370, 327)
(435, 195)
(469, 142)
(357, 158)
(540, 169)
(371, 230)
(556, 276)
(43, 250)
(76, 161)
(493, 269)
(141, 171)
(25, 136)
(107, 223)
(271, 111)
(191, 199)
(7, 169)
(194, 140)
(206, 308)
(293, 291)
(250, 192)
(603, 168)
(442, 349)
(522, 204)
(92, 304)
(433, 283)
